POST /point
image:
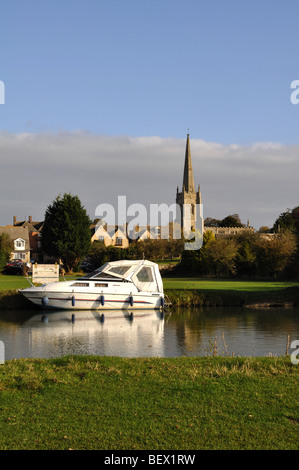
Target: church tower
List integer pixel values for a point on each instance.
(188, 195)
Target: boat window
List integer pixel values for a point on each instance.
(100, 284)
(80, 284)
(103, 275)
(121, 270)
(145, 275)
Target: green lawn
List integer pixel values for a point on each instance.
(215, 284)
(9, 282)
(19, 282)
(149, 403)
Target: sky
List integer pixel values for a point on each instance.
(99, 97)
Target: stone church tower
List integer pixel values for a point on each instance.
(188, 194)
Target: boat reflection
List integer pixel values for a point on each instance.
(119, 333)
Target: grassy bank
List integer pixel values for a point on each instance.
(186, 292)
(179, 403)
(201, 292)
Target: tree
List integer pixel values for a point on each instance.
(220, 256)
(6, 247)
(275, 255)
(284, 222)
(288, 222)
(210, 222)
(66, 231)
(196, 261)
(246, 256)
(231, 221)
(264, 229)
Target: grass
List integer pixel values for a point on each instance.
(216, 292)
(224, 285)
(185, 292)
(176, 403)
(10, 282)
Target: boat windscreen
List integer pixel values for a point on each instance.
(114, 272)
(120, 270)
(103, 275)
(92, 274)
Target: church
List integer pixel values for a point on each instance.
(188, 198)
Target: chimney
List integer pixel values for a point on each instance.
(30, 218)
(14, 220)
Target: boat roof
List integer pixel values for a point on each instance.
(143, 273)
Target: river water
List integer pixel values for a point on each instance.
(183, 332)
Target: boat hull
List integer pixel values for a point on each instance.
(89, 301)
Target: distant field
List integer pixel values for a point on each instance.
(215, 284)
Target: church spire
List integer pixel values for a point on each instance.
(188, 181)
(188, 198)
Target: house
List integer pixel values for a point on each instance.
(21, 244)
(109, 235)
(99, 233)
(141, 233)
(119, 238)
(34, 229)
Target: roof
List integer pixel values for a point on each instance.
(32, 226)
(17, 232)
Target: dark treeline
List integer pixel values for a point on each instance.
(249, 254)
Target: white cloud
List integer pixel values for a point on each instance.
(258, 181)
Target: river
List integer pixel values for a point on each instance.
(181, 332)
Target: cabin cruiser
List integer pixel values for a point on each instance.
(121, 284)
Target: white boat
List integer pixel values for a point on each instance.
(115, 285)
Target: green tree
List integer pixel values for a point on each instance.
(6, 247)
(101, 254)
(287, 221)
(66, 231)
(231, 221)
(247, 253)
(210, 222)
(275, 255)
(196, 261)
(220, 256)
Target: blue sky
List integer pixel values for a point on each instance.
(145, 68)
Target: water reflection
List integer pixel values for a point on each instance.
(86, 332)
(232, 331)
(190, 332)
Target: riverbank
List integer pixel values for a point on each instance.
(187, 292)
(283, 297)
(182, 403)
